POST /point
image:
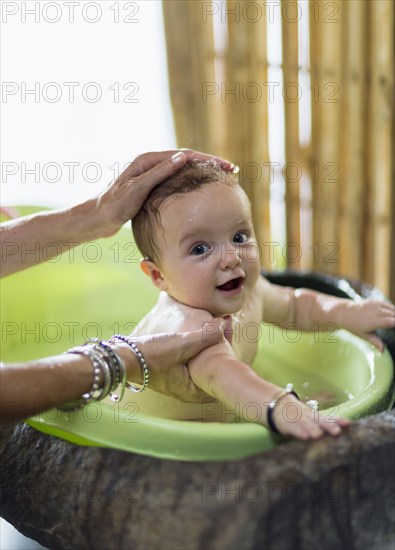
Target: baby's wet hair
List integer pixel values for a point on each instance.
(191, 177)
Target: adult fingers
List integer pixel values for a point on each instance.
(196, 341)
(147, 161)
(149, 170)
(197, 155)
(228, 328)
(163, 169)
(138, 187)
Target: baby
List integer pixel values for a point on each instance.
(196, 235)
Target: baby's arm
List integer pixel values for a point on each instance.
(220, 374)
(307, 308)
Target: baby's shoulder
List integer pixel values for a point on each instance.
(169, 315)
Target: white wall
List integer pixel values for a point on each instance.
(115, 53)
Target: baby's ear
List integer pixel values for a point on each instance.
(154, 272)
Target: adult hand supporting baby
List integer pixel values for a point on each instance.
(35, 386)
(168, 355)
(101, 216)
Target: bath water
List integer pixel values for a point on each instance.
(309, 385)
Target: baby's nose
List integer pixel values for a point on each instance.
(230, 257)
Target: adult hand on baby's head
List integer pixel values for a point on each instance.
(362, 318)
(168, 354)
(122, 199)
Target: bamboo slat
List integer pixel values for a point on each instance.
(245, 98)
(381, 112)
(236, 79)
(327, 151)
(315, 24)
(190, 54)
(392, 251)
(353, 153)
(258, 132)
(291, 110)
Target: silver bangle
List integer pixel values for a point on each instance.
(270, 410)
(142, 362)
(96, 393)
(118, 368)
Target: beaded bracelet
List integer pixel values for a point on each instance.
(270, 410)
(119, 368)
(142, 362)
(99, 366)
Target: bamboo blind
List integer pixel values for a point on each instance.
(349, 162)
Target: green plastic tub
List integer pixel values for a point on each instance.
(99, 289)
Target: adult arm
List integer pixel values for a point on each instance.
(35, 386)
(24, 241)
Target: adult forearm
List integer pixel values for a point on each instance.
(34, 239)
(28, 389)
(33, 387)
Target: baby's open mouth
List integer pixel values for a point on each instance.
(232, 284)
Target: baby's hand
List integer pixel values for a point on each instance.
(294, 418)
(362, 318)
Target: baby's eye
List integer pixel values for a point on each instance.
(241, 237)
(200, 249)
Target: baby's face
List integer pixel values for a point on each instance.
(209, 256)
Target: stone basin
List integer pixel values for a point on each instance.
(332, 494)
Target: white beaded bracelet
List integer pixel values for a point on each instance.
(142, 362)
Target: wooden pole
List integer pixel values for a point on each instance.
(381, 112)
(245, 98)
(291, 96)
(326, 63)
(316, 127)
(353, 150)
(190, 55)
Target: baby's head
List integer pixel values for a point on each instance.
(196, 236)
(192, 176)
